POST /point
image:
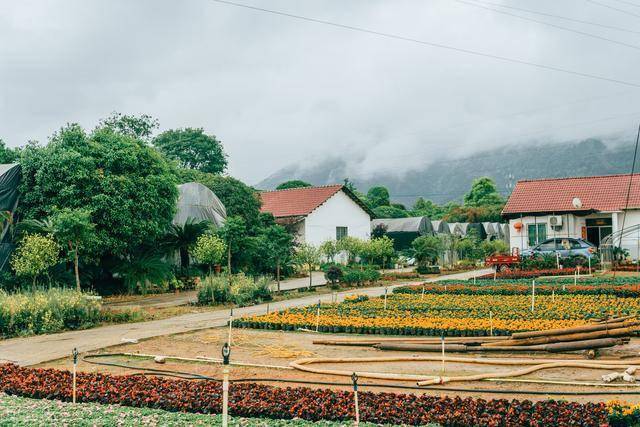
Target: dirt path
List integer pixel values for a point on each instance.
(42, 348)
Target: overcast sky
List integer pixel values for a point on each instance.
(277, 90)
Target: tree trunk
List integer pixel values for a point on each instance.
(310, 277)
(76, 269)
(229, 260)
(184, 258)
(278, 274)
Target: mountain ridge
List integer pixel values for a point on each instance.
(448, 180)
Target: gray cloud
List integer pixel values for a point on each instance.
(278, 91)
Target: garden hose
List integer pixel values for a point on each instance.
(192, 376)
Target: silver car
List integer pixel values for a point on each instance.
(565, 246)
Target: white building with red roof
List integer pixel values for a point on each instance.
(318, 214)
(590, 208)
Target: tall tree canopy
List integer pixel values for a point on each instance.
(138, 127)
(193, 149)
(128, 187)
(378, 196)
(294, 183)
(7, 155)
(483, 192)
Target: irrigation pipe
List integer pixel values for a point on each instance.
(191, 376)
(533, 366)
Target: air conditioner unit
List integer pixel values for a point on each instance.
(555, 221)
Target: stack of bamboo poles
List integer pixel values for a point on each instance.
(606, 333)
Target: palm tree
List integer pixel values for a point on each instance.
(140, 271)
(181, 237)
(34, 226)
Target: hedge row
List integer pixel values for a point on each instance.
(255, 400)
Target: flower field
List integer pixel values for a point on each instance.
(256, 400)
(532, 274)
(519, 288)
(458, 313)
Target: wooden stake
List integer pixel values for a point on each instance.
(442, 340)
(318, 317)
(533, 295)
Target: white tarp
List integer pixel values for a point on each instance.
(197, 201)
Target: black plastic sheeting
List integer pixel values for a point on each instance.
(10, 176)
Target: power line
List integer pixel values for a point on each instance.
(566, 18)
(548, 24)
(628, 2)
(436, 45)
(608, 6)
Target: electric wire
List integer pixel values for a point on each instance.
(608, 6)
(548, 24)
(434, 44)
(633, 169)
(566, 18)
(193, 376)
(628, 2)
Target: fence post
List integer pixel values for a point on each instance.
(385, 298)
(226, 353)
(354, 379)
(75, 367)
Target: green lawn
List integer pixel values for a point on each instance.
(19, 411)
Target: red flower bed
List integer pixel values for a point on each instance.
(626, 267)
(254, 400)
(531, 274)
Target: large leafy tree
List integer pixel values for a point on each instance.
(483, 192)
(7, 155)
(378, 196)
(193, 149)
(138, 127)
(294, 183)
(127, 185)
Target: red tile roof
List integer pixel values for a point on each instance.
(296, 201)
(599, 193)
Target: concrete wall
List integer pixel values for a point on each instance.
(338, 211)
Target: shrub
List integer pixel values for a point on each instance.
(213, 289)
(428, 269)
(242, 291)
(35, 255)
(333, 274)
(40, 312)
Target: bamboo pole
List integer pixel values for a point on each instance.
(576, 329)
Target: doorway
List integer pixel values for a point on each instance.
(598, 229)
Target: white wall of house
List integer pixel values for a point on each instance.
(338, 211)
(572, 226)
